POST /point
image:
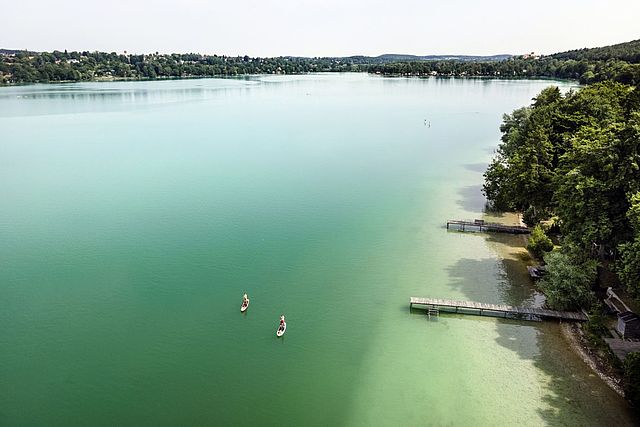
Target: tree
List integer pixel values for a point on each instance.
(633, 214)
(628, 266)
(583, 208)
(496, 188)
(539, 243)
(521, 174)
(568, 281)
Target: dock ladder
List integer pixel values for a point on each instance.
(433, 311)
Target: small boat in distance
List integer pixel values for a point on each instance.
(245, 303)
(282, 328)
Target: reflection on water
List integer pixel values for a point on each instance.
(70, 98)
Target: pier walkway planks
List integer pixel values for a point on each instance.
(487, 226)
(495, 309)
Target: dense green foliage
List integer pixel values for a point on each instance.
(568, 281)
(631, 379)
(75, 66)
(629, 264)
(576, 157)
(619, 63)
(585, 71)
(539, 243)
(629, 51)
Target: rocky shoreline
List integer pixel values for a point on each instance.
(578, 343)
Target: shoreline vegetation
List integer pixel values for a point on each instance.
(620, 63)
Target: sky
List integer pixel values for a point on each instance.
(317, 27)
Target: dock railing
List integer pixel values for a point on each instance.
(481, 225)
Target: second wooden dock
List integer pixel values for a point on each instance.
(480, 225)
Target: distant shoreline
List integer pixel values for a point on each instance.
(241, 76)
(617, 62)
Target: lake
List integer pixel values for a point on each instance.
(134, 215)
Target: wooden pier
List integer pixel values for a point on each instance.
(496, 310)
(480, 225)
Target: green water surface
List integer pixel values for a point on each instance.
(134, 215)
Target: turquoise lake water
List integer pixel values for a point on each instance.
(134, 215)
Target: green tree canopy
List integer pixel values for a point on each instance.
(575, 156)
(568, 281)
(539, 243)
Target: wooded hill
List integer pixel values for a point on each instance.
(620, 62)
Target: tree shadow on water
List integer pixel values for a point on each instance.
(570, 393)
(476, 167)
(515, 241)
(471, 198)
(476, 279)
(490, 149)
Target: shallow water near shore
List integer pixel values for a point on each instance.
(134, 216)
